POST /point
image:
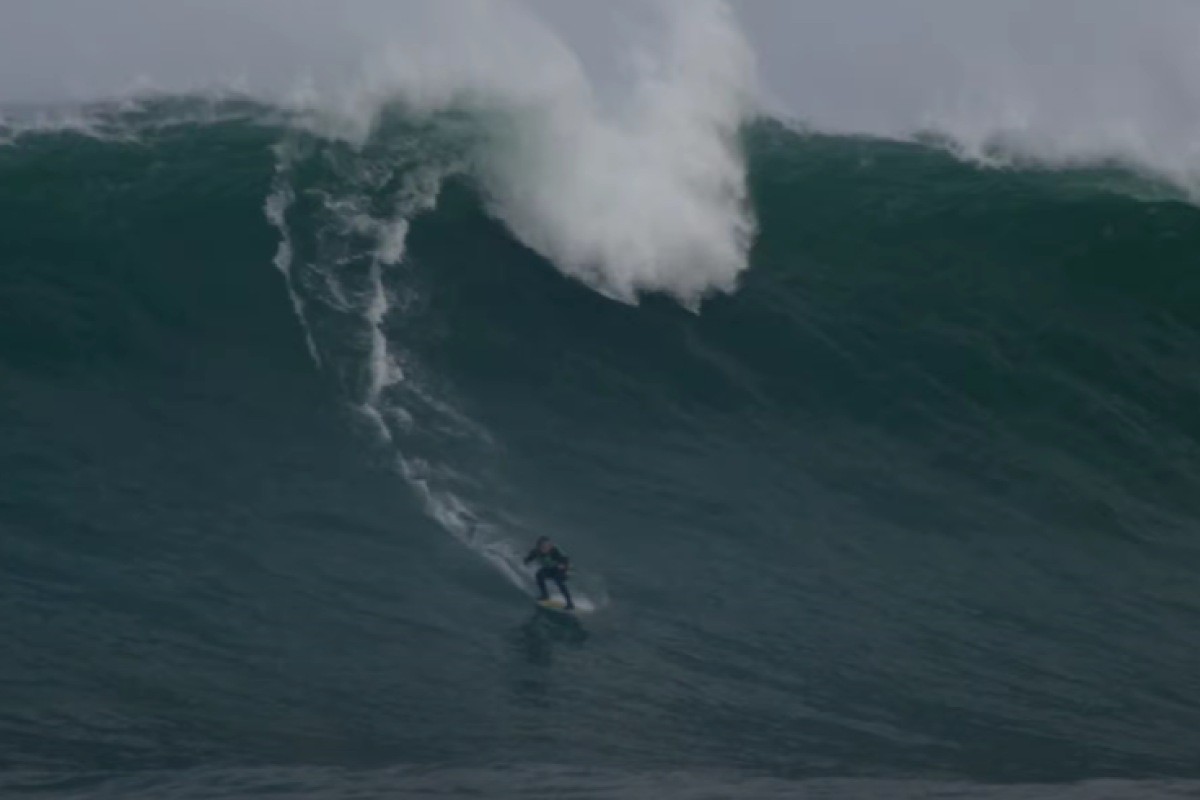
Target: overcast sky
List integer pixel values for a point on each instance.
(1080, 72)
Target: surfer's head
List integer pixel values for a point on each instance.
(543, 543)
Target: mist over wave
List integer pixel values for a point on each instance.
(1063, 84)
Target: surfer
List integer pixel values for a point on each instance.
(554, 565)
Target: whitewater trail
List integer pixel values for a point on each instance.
(343, 275)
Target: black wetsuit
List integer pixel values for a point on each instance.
(554, 565)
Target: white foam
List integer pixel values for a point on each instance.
(1064, 83)
(648, 193)
(645, 191)
(1060, 84)
(275, 208)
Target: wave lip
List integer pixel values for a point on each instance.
(651, 197)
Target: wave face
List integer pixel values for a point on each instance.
(907, 497)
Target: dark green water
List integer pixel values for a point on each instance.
(912, 513)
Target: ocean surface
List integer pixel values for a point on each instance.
(909, 508)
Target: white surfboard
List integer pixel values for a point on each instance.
(555, 605)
